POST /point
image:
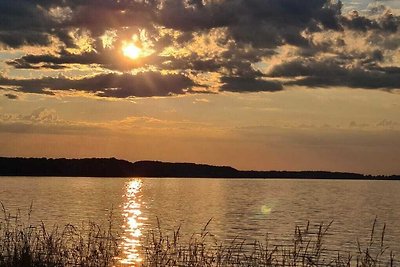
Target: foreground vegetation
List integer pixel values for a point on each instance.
(305, 249)
(27, 245)
(23, 244)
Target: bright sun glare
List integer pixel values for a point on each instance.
(131, 50)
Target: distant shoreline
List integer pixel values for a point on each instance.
(111, 167)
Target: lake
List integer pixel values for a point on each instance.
(238, 208)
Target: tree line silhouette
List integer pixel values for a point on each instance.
(112, 167)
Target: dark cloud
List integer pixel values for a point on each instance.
(22, 22)
(27, 22)
(11, 96)
(356, 78)
(146, 84)
(360, 23)
(17, 39)
(387, 22)
(261, 23)
(98, 16)
(299, 67)
(180, 15)
(331, 73)
(236, 60)
(238, 84)
(249, 31)
(104, 58)
(390, 70)
(193, 62)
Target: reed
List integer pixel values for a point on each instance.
(23, 244)
(306, 248)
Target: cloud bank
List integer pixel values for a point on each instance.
(237, 45)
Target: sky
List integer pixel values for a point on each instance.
(253, 84)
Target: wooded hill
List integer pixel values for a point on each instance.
(111, 167)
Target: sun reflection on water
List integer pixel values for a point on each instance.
(132, 224)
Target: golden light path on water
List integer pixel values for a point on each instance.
(133, 222)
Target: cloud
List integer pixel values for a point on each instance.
(386, 22)
(11, 96)
(28, 22)
(64, 59)
(238, 84)
(388, 124)
(22, 22)
(248, 45)
(332, 72)
(144, 84)
(42, 115)
(201, 100)
(258, 22)
(45, 121)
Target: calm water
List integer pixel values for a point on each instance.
(243, 207)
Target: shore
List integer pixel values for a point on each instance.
(111, 167)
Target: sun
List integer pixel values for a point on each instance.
(131, 50)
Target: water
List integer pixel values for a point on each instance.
(242, 208)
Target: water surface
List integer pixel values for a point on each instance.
(248, 208)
